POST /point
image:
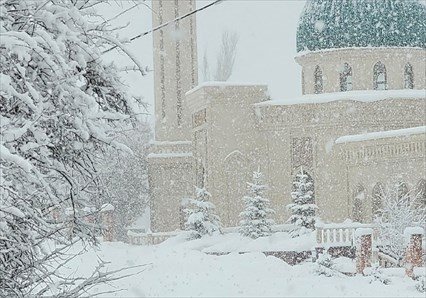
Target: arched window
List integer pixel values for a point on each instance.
(346, 78)
(358, 204)
(318, 80)
(236, 170)
(408, 77)
(379, 77)
(377, 199)
(402, 189)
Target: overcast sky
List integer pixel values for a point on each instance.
(266, 48)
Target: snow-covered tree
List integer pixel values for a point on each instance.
(202, 219)
(226, 57)
(325, 265)
(205, 68)
(303, 207)
(256, 218)
(125, 177)
(59, 106)
(400, 210)
(224, 61)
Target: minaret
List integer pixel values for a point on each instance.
(175, 67)
(171, 174)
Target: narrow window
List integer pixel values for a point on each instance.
(346, 78)
(318, 81)
(380, 79)
(408, 77)
(402, 192)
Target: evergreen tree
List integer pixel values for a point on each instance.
(202, 219)
(255, 221)
(303, 207)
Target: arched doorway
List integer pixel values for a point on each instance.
(236, 172)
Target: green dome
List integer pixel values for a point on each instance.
(328, 24)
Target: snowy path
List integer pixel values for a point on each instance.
(176, 270)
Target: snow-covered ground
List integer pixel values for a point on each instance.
(179, 268)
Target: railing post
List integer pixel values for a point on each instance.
(363, 240)
(108, 222)
(413, 254)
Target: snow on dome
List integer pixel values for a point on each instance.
(326, 24)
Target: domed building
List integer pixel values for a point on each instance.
(358, 128)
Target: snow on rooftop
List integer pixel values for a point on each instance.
(382, 134)
(414, 231)
(169, 155)
(363, 231)
(358, 95)
(107, 207)
(170, 143)
(223, 85)
(143, 222)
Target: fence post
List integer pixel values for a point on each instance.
(319, 248)
(108, 222)
(413, 253)
(364, 242)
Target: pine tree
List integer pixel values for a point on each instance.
(255, 219)
(303, 207)
(202, 219)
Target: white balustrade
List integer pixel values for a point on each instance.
(340, 234)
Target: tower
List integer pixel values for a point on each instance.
(175, 67)
(175, 72)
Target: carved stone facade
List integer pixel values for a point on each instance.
(353, 140)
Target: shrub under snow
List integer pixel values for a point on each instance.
(202, 219)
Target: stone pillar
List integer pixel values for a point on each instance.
(89, 215)
(413, 254)
(108, 222)
(364, 243)
(55, 213)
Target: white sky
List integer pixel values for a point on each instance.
(266, 48)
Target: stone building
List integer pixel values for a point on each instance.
(358, 127)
